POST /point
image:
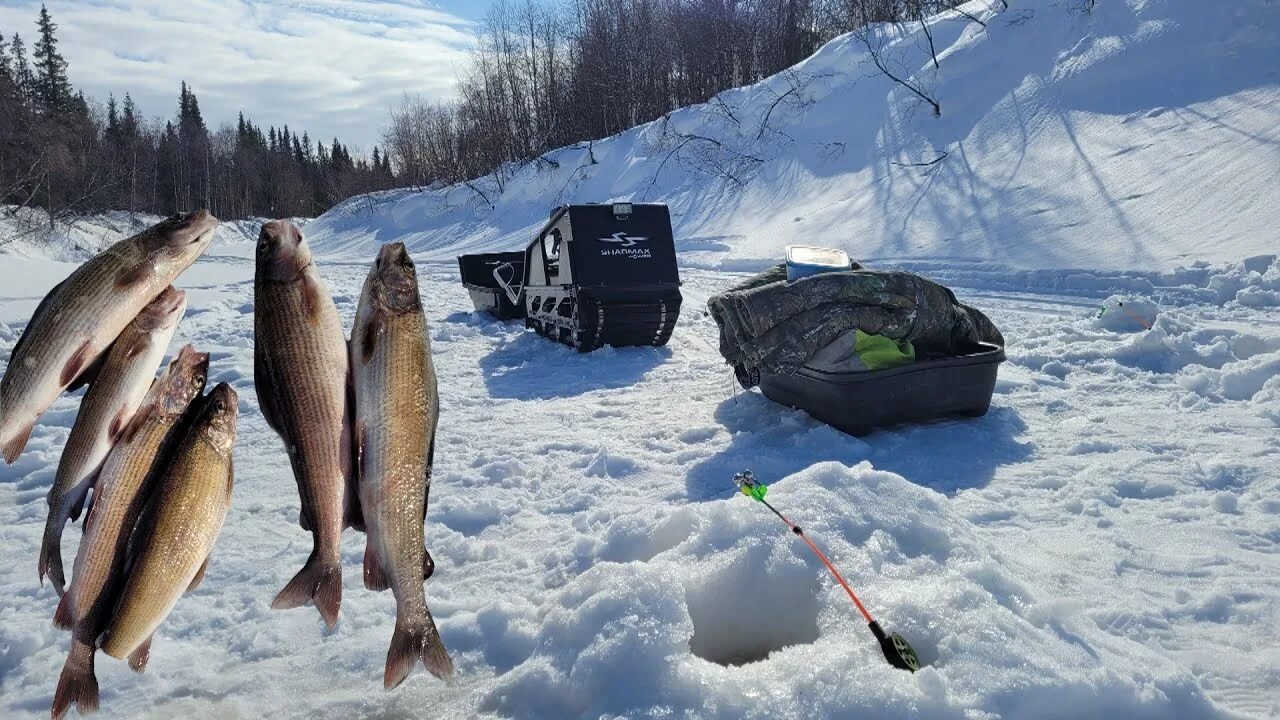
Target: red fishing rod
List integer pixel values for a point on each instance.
(896, 649)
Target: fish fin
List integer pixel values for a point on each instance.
(79, 504)
(135, 423)
(50, 561)
(428, 565)
(355, 508)
(90, 372)
(312, 298)
(118, 424)
(264, 388)
(303, 521)
(426, 486)
(63, 617)
(80, 361)
(350, 463)
(138, 344)
(375, 577)
(45, 303)
(411, 644)
(77, 684)
(318, 583)
(195, 581)
(135, 275)
(13, 448)
(231, 477)
(369, 339)
(139, 657)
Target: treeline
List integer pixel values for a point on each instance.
(550, 73)
(65, 155)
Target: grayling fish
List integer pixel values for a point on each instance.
(300, 375)
(125, 483)
(79, 319)
(108, 405)
(170, 547)
(396, 413)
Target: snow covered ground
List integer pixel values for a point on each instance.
(1105, 540)
(1104, 543)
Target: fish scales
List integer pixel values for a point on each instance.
(396, 415)
(126, 374)
(127, 478)
(179, 527)
(300, 367)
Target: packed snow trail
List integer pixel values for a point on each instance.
(1105, 540)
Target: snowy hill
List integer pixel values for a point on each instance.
(1105, 542)
(1138, 137)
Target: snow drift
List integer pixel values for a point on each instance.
(1143, 135)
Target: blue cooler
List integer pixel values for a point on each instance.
(806, 260)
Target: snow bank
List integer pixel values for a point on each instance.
(1139, 137)
(26, 232)
(739, 620)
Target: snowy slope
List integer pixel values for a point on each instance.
(1142, 136)
(25, 232)
(1104, 543)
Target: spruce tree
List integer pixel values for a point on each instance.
(52, 86)
(6, 72)
(22, 77)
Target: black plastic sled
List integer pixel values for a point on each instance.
(494, 281)
(603, 275)
(858, 402)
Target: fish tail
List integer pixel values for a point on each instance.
(12, 448)
(411, 643)
(64, 617)
(77, 684)
(50, 560)
(318, 582)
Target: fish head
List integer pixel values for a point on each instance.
(282, 252)
(164, 312)
(392, 285)
(180, 239)
(218, 418)
(182, 382)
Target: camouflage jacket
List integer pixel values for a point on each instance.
(769, 325)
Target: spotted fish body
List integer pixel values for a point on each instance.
(170, 547)
(81, 317)
(396, 413)
(109, 404)
(125, 483)
(300, 375)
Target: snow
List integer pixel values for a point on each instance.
(1105, 542)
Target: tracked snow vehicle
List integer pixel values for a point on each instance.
(494, 281)
(603, 275)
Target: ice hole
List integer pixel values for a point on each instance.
(744, 612)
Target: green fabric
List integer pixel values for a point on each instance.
(878, 352)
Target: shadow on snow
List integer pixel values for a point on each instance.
(531, 367)
(774, 441)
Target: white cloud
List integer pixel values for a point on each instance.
(330, 67)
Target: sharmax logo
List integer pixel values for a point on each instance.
(624, 239)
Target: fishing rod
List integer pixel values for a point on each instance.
(895, 648)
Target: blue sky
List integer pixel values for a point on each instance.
(330, 67)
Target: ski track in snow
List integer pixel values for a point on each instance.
(1105, 540)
